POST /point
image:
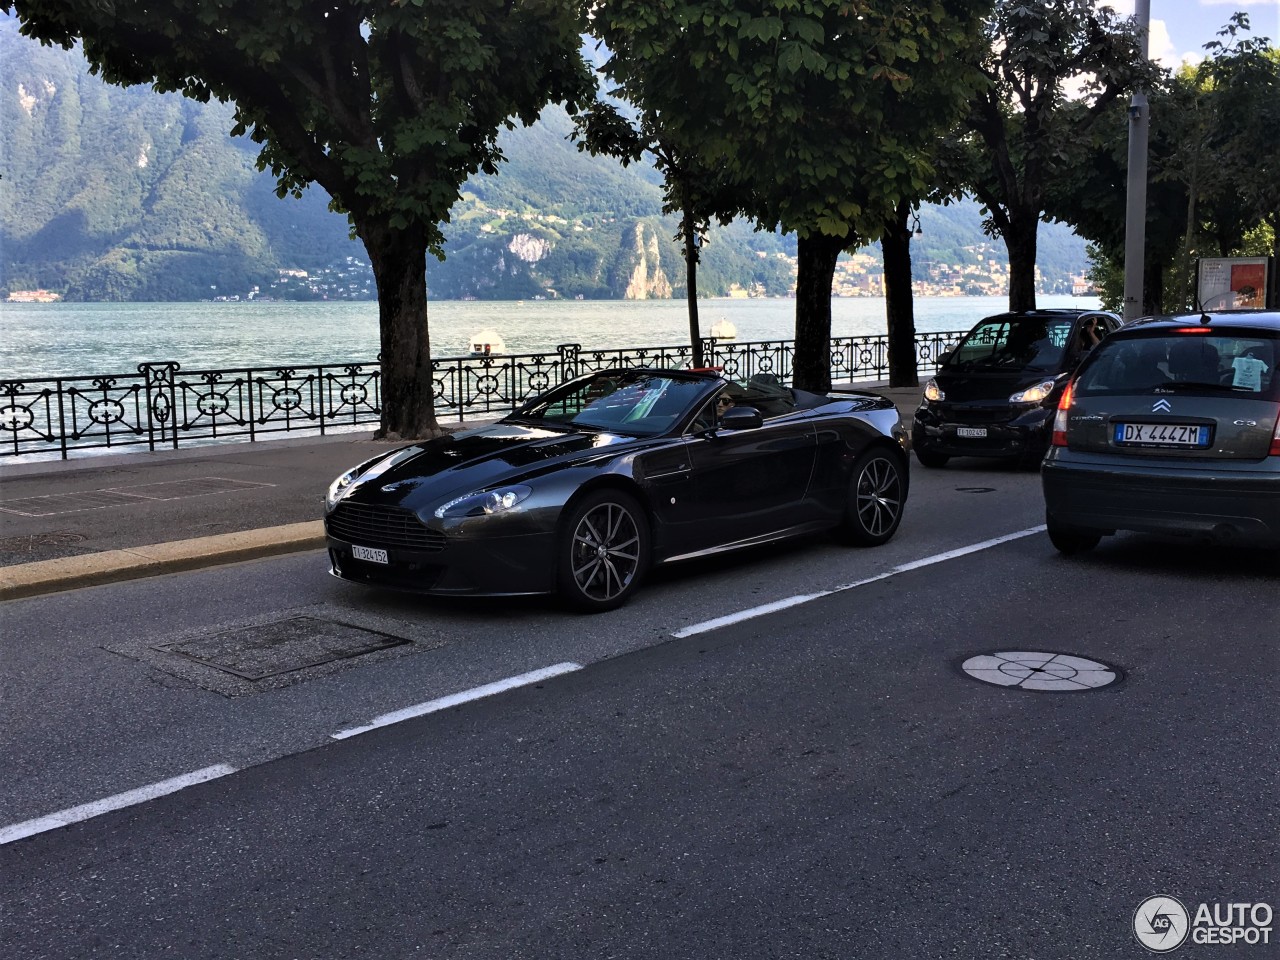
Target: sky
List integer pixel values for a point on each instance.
(1181, 28)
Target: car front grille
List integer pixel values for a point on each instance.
(374, 525)
(976, 414)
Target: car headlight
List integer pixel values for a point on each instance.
(1034, 394)
(933, 392)
(485, 503)
(340, 486)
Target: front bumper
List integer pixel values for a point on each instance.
(475, 566)
(1228, 504)
(1009, 432)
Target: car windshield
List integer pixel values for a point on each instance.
(635, 403)
(1011, 343)
(1239, 363)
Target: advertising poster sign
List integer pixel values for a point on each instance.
(1227, 283)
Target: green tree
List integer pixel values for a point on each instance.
(809, 109)
(389, 105)
(1022, 129)
(1213, 190)
(1240, 82)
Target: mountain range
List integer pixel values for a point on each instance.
(116, 193)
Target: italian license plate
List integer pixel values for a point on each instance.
(974, 433)
(370, 554)
(1161, 434)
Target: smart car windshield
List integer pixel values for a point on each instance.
(636, 403)
(1013, 343)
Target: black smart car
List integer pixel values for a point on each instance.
(996, 391)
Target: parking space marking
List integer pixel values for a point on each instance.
(443, 703)
(97, 808)
(760, 611)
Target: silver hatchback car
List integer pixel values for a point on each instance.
(1172, 426)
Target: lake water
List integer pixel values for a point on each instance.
(40, 340)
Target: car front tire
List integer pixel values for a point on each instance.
(877, 494)
(603, 551)
(930, 459)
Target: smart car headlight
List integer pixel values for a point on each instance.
(933, 392)
(498, 500)
(1035, 394)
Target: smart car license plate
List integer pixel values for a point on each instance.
(1161, 435)
(974, 433)
(370, 554)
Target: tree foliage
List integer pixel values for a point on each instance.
(1214, 186)
(815, 112)
(389, 106)
(1052, 69)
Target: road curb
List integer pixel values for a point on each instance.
(113, 566)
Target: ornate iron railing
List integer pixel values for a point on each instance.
(162, 406)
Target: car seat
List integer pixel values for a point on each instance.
(1194, 360)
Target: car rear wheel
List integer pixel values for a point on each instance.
(930, 459)
(604, 551)
(1070, 540)
(877, 494)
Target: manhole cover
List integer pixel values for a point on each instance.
(1040, 670)
(270, 649)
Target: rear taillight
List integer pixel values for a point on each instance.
(1059, 438)
(1275, 440)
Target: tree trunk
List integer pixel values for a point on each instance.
(1020, 241)
(691, 282)
(895, 246)
(816, 265)
(398, 258)
(1153, 288)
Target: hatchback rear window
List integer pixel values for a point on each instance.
(1239, 363)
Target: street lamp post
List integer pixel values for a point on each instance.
(1135, 225)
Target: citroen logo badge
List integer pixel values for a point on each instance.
(1161, 406)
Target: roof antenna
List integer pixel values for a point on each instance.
(1204, 314)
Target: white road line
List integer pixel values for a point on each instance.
(476, 693)
(98, 807)
(783, 604)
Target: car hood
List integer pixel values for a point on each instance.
(982, 386)
(472, 460)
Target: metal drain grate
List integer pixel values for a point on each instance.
(1041, 670)
(284, 646)
(59, 503)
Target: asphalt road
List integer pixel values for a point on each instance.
(822, 781)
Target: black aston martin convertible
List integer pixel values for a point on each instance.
(582, 489)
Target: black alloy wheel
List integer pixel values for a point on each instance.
(876, 498)
(604, 551)
(1071, 540)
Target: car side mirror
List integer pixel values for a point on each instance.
(944, 356)
(741, 418)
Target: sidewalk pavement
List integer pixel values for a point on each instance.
(102, 519)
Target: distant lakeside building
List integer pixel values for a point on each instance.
(32, 296)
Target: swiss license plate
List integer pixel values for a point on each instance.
(370, 554)
(975, 433)
(1162, 434)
